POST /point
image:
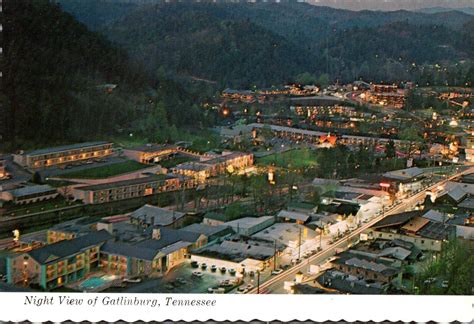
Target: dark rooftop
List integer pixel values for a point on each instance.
(138, 252)
(152, 147)
(123, 183)
(64, 148)
(397, 219)
(68, 248)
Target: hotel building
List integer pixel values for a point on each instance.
(63, 155)
(57, 264)
(126, 189)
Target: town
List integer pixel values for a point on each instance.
(297, 189)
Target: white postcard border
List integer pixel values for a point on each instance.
(15, 307)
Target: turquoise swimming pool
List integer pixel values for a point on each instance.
(96, 282)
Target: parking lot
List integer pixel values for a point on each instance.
(181, 280)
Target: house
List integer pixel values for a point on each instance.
(29, 194)
(150, 153)
(452, 197)
(149, 215)
(293, 216)
(63, 155)
(411, 227)
(126, 189)
(366, 267)
(249, 225)
(57, 264)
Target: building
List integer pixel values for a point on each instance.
(126, 189)
(214, 166)
(149, 215)
(3, 168)
(29, 194)
(411, 227)
(297, 134)
(214, 219)
(69, 230)
(404, 180)
(114, 246)
(211, 232)
(293, 216)
(57, 264)
(150, 153)
(63, 155)
(240, 256)
(385, 95)
(250, 225)
(366, 267)
(239, 95)
(165, 249)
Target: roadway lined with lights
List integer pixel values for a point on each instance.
(285, 275)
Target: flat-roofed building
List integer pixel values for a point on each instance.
(126, 189)
(150, 153)
(149, 215)
(29, 194)
(63, 154)
(250, 225)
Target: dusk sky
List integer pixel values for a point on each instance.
(392, 4)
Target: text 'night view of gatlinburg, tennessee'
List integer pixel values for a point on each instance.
(237, 147)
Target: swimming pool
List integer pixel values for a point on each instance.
(96, 282)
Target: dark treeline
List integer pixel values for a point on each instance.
(242, 45)
(58, 78)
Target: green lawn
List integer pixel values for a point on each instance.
(106, 170)
(299, 158)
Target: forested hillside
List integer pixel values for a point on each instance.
(63, 83)
(263, 44)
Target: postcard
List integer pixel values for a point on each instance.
(270, 160)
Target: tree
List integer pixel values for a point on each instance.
(412, 136)
(454, 265)
(305, 78)
(390, 150)
(36, 178)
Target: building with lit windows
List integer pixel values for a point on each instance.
(3, 168)
(126, 189)
(29, 194)
(385, 95)
(63, 155)
(150, 153)
(57, 264)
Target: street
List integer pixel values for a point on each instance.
(275, 284)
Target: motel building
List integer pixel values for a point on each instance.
(123, 253)
(63, 155)
(126, 189)
(29, 194)
(57, 264)
(150, 153)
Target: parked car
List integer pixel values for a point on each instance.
(197, 274)
(277, 271)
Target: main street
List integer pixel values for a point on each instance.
(275, 284)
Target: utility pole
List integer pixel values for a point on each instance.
(275, 255)
(299, 245)
(258, 281)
